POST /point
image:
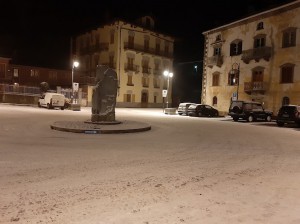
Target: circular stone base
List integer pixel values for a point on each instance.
(103, 122)
(94, 128)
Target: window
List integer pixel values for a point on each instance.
(129, 81)
(146, 44)
(127, 97)
(156, 82)
(260, 26)
(155, 99)
(258, 75)
(218, 38)
(215, 80)
(2, 70)
(236, 47)
(289, 38)
(217, 51)
(130, 63)
(285, 101)
(112, 36)
(131, 41)
(111, 61)
(215, 100)
(166, 48)
(145, 64)
(145, 81)
(287, 73)
(157, 48)
(16, 72)
(259, 41)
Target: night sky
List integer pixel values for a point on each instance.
(38, 32)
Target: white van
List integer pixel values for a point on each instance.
(52, 100)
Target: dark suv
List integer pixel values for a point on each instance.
(288, 114)
(249, 111)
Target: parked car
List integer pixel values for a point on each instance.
(288, 114)
(182, 108)
(249, 111)
(52, 100)
(202, 110)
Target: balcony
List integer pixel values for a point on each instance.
(157, 72)
(216, 60)
(257, 54)
(94, 48)
(255, 87)
(132, 68)
(141, 49)
(146, 70)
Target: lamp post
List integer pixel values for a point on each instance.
(74, 65)
(235, 71)
(168, 75)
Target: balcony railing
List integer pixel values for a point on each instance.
(146, 70)
(130, 67)
(157, 71)
(141, 49)
(94, 48)
(250, 87)
(216, 60)
(257, 54)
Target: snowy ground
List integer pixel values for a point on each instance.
(184, 170)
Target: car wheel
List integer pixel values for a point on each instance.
(250, 118)
(268, 118)
(216, 114)
(280, 124)
(62, 108)
(199, 114)
(180, 113)
(48, 106)
(235, 118)
(39, 105)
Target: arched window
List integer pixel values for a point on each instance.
(215, 101)
(285, 101)
(287, 73)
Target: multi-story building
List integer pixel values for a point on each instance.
(254, 59)
(137, 53)
(33, 75)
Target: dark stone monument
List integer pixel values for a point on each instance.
(104, 95)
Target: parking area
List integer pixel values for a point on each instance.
(183, 170)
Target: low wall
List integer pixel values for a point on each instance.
(18, 99)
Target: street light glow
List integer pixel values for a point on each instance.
(75, 64)
(166, 73)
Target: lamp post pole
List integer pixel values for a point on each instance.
(236, 79)
(75, 64)
(169, 75)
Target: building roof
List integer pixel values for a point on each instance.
(256, 17)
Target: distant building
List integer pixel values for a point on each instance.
(255, 58)
(33, 75)
(136, 52)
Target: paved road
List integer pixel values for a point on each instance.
(184, 170)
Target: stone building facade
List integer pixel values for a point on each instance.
(136, 52)
(254, 59)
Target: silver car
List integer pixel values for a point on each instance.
(183, 107)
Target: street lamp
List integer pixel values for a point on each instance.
(235, 72)
(168, 75)
(74, 65)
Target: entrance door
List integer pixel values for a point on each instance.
(144, 101)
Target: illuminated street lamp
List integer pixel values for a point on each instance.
(235, 72)
(74, 65)
(168, 75)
